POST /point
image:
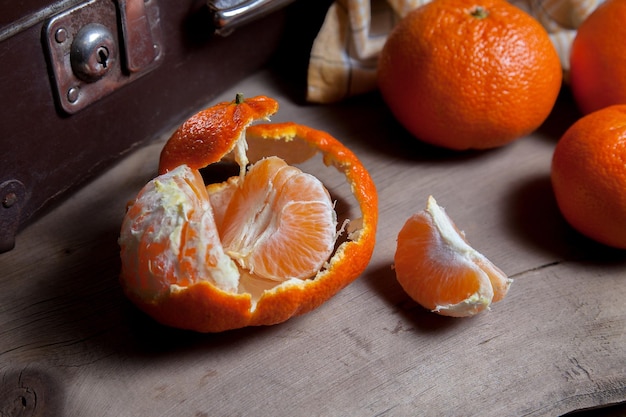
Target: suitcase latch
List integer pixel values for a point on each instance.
(99, 46)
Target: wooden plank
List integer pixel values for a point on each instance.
(557, 343)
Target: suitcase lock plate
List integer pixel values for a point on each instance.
(99, 46)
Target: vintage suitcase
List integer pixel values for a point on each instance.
(83, 82)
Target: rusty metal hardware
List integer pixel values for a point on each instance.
(89, 59)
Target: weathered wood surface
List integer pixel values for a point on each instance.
(71, 345)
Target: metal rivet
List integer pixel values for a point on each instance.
(60, 35)
(9, 200)
(72, 95)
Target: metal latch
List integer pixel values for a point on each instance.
(99, 46)
(231, 14)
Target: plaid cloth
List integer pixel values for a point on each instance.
(345, 52)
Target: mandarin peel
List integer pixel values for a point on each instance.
(226, 295)
(207, 136)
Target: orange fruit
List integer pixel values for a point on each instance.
(469, 75)
(255, 249)
(438, 268)
(589, 175)
(597, 60)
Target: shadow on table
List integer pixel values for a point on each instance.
(564, 114)
(365, 121)
(534, 217)
(382, 280)
(615, 410)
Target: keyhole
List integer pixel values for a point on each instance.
(103, 56)
(92, 53)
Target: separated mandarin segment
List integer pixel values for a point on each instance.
(438, 268)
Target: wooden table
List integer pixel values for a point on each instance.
(72, 345)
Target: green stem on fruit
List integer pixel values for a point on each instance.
(238, 98)
(479, 12)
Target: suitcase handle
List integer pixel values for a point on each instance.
(231, 14)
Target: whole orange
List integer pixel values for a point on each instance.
(589, 175)
(597, 60)
(466, 75)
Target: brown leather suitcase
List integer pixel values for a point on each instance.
(84, 82)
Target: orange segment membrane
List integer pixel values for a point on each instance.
(280, 222)
(169, 237)
(276, 223)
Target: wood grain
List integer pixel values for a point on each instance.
(557, 343)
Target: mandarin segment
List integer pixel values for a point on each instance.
(438, 268)
(168, 238)
(280, 222)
